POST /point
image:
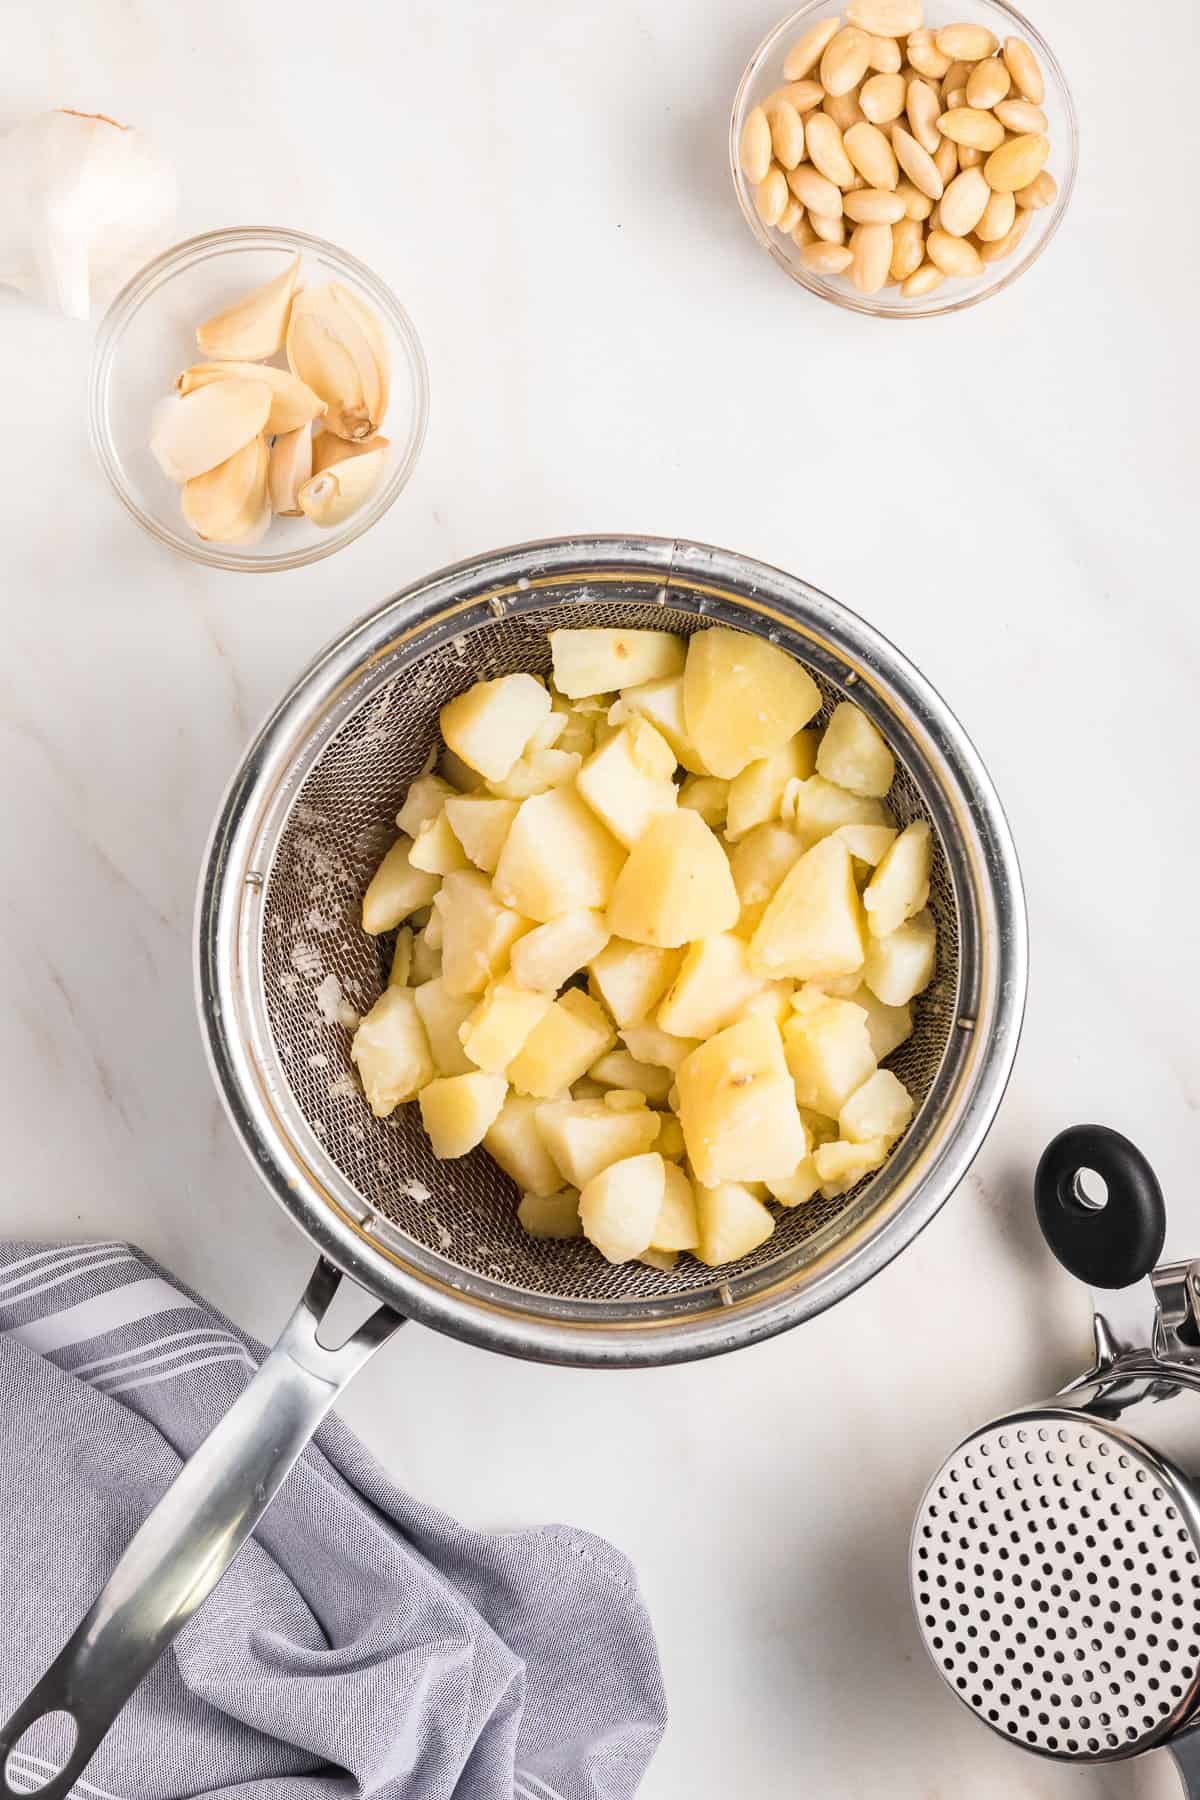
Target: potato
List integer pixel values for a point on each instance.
(677, 1226)
(402, 956)
(773, 1000)
(662, 703)
(578, 734)
(659, 1259)
(880, 1108)
(732, 1223)
(867, 844)
(549, 955)
(426, 960)
(816, 807)
(490, 725)
(618, 1069)
(669, 1141)
(854, 755)
(549, 731)
(435, 847)
(572, 1035)
(902, 964)
(761, 860)
(629, 781)
(742, 699)
(820, 1127)
(462, 779)
(714, 980)
(456, 1111)
(623, 1100)
(497, 1029)
(737, 1106)
(813, 923)
(620, 1206)
(828, 1051)
(424, 801)
(900, 885)
(887, 1026)
(536, 773)
(478, 933)
(800, 1186)
(584, 1136)
(842, 1166)
(630, 979)
(756, 795)
(600, 661)
(707, 796)
(434, 931)
(551, 1215)
(443, 1014)
(514, 1142)
(557, 858)
(391, 1052)
(395, 890)
(675, 885)
(481, 823)
(650, 1044)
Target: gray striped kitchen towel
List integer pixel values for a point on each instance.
(361, 1644)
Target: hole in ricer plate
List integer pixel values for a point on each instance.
(1090, 1190)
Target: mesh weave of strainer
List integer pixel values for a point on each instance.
(341, 821)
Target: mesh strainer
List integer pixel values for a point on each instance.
(302, 828)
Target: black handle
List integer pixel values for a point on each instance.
(1109, 1232)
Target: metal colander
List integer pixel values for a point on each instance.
(303, 829)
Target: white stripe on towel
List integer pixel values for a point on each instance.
(47, 1770)
(108, 1382)
(103, 1367)
(226, 1356)
(59, 1280)
(529, 1776)
(102, 1313)
(53, 1259)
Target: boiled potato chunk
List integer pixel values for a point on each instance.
(854, 755)
(514, 1142)
(391, 1052)
(660, 1259)
(677, 1226)
(867, 844)
(761, 860)
(887, 1026)
(900, 885)
(800, 1186)
(551, 1215)
(880, 1108)
(548, 956)
(813, 923)
(650, 1044)
(714, 980)
(456, 1110)
(662, 703)
(426, 961)
(737, 1106)
(435, 847)
(902, 964)
(669, 1141)
(771, 1001)
(756, 795)
(585, 1136)
(732, 1222)
(462, 779)
(742, 699)
(707, 796)
(490, 725)
(501, 1023)
(424, 801)
(675, 885)
(557, 858)
(601, 661)
(815, 807)
(828, 1050)
(396, 889)
(478, 933)
(620, 1206)
(402, 956)
(618, 1069)
(630, 780)
(630, 979)
(536, 773)
(574, 1032)
(443, 1015)
(842, 1165)
(481, 823)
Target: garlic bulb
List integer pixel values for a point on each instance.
(81, 198)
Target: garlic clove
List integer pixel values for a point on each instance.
(373, 331)
(329, 448)
(255, 326)
(292, 404)
(224, 504)
(329, 351)
(341, 489)
(193, 433)
(291, 465)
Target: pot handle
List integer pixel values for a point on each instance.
(1099, 1206)
(182, 1549)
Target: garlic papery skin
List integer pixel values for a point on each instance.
(82, 198)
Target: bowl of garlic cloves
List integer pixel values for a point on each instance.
(258, 398)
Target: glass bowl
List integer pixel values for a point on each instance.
(147, 337)
(765, 73)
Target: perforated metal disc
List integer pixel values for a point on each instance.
(1056, 1574)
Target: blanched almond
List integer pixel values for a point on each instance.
(945, 159)
(922, 281)
(923, 106)
(826, 259)
(806, 52)
(996, 219)
(791, 215)
(1015, 164)
(845, 60)
(843, 109)
(882, 98)
(969, 157)
(803, 95)
(830, 231)
(1021, 116)
(963, 203)
(770, 196)
(967, 43)
(787, 134)
(953, 255)
(988, 83)
(1005, 246)
(827, 151)
(1042, 191)
(872, 155)
(967, 125)
(802, 233)
(908, 248)
(874, 206)
(918, 165)
(815, 192)
(924, 55)
(1022, 65)
(954, 78)
(886, 18)
(885, 56)
(872, 257)
(754, 149)
(916, 204)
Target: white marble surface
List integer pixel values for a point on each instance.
(1005, 493)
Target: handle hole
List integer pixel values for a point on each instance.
(1089, 1190)
(41, 1752)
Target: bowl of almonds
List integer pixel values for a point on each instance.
(900, 162)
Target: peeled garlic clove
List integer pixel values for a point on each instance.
(224, 504)
(373, 331)
(194, 433)
(292, 404)
(329, 448)
(338, 491)
(255, 326)
(291, 465)
(329, 350)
